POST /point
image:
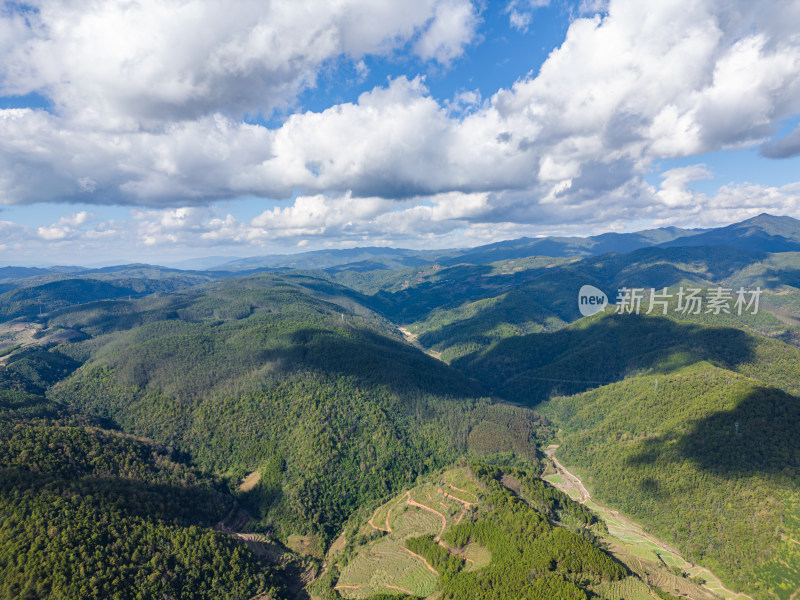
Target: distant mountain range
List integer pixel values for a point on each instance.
(380, 257)
(764, 233)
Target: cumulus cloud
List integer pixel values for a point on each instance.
(634, 82)
(318, 220)
(452, 28)
(452, 219)
(732, 203)
(675, 192)
(67, 227)
(130, 63)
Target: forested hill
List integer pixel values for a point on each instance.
(89, 513)
(609, 347)
(321, 396)
(142, 398)
(706, 459)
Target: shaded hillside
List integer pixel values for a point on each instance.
(463, 310)
(262, 375)
(609, 347)
(30, 301)
(706, 459)
(32, 296)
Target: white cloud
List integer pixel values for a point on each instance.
(67, 227)
(453, 27)
(149, 61)
(520, 12)
(362, 70)
(733, 203)
(572, 143)
(519, 20)
(675, 192)
(591, 7)
(463, 101)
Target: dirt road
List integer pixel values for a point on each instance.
(627, 526)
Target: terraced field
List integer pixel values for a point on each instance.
(630, 588)
(385, 565)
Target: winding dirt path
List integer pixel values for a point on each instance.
(454, 499)
(460, 490)
(570, 478)
(372, 518)
(371, 524)
(713, 583)
(423, 559)
(412, 502)
(394, 587)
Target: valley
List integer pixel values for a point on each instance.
(390, 429)
(630, 540)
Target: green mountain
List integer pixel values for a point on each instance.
(382, 258)
(330, 407)
(188, 434)
(89, 513)
(764, 233)
(30, 296)
(571, 246)
(459, 311)
(706, 459)
(608, 348)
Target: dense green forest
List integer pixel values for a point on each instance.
(335, 411)
(134, 400)
(608, 347)
(89, 513)
(530, 558)
(461, 311)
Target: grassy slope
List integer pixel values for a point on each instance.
(478, 539)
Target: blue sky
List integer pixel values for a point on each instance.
(158, 131)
